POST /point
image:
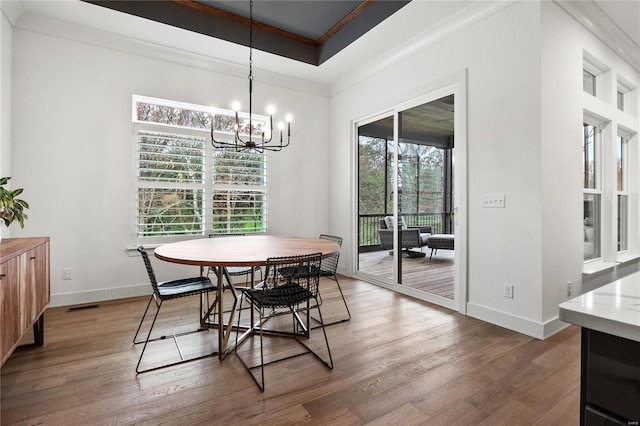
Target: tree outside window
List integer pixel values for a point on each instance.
(184, 186)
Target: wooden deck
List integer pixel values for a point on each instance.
(433, 275)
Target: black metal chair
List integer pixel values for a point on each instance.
(328, 270)
(169, 290)
(290, 282)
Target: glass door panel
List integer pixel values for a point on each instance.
(425, 194)
(375, 199)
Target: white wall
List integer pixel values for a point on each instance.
(6, 38)
(501, 54)
(561, 120)
(524, 115)
(72, 149)
(563, 43)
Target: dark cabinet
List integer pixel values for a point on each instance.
(610, 391)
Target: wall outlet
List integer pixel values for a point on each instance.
(508, 291)
(569, 285)
(66, 274)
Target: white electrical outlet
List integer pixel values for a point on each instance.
(66, 274)
(569, 284)
(508, 291)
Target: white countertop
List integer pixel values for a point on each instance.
(613, 308)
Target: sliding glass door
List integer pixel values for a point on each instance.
(406, 199)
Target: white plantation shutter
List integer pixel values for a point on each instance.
(184, 187)
(240, 192)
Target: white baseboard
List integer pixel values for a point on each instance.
(100, 295)
(526, 326)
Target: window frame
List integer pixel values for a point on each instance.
(208, 185)
(613, 110)
(595, 192)
(623, 191)
(601, 73)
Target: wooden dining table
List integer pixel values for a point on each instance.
(251, 250)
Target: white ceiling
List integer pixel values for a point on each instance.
(423, 19)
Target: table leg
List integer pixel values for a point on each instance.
(220, 313)
(225, 330)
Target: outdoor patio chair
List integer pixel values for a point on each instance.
(410, 237)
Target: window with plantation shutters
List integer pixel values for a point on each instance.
(184, 187)
(239, 192)
(171, 170)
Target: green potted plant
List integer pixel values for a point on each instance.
(11, 208)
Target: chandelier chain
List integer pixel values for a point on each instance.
(266, 135)
(251, 40)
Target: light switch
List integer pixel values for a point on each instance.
(493, 201)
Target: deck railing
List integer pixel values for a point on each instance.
(370, 224)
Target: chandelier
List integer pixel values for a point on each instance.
(254, 142)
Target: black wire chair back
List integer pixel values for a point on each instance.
(290, 280)
(147, 264)
(330, 263)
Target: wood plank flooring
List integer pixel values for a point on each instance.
(433, 275)
(398, 361)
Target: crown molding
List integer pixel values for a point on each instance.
(134, 39)
(590, 16)
(475, 12)
(12, 10)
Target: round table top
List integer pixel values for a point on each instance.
(250, 250)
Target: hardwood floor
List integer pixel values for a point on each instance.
(398, 361)
(433, 275)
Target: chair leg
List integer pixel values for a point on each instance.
(261, 384)
(297, 323)
(148, 334)
(343, 301)
(328, 364)
(173, 336)
(207, 310)
(335, 278)
(141, 321)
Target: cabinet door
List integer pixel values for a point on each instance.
(40, 263)
(9, 307)
(34, 266)
(613, 374)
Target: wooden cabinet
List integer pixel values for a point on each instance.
(10, 305)
(24, 290)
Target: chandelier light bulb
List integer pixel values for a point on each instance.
(263, 127)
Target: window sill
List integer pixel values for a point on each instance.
(624, 258)
(597, 267)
